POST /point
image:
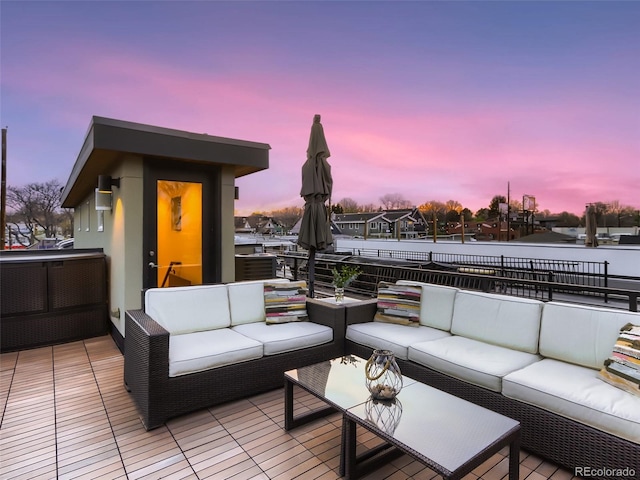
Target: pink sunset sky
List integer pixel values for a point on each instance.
(432, 100)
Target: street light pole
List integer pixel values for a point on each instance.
(508, 210)
(3, 189)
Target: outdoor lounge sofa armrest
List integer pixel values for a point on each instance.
(360, 312)
(146, 358)
(328, 314)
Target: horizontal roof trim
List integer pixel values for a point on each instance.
(108, 139)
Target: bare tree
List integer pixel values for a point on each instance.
(287, 217)
(453, 205)
(349, 205)
(36, 207)
(566, 219)
(368, 208)
(392, 201)
(628, 216)
(433, 207)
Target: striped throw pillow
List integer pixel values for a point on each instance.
(398, 304)
(622, 368)
(285, 302)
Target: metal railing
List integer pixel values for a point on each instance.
(578, 282)
(574, 272)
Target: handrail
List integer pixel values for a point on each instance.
(499, 282)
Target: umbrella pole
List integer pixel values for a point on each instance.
(312, 271)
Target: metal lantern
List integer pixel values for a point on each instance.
(384, 379)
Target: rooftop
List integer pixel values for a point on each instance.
(108, 140)
(66, 414)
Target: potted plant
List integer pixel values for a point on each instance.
(343, 277)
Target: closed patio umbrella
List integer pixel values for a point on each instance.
(317, 183)
(592, 227)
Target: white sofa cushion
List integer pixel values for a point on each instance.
(575, 392)
(566, 329)
(194, 308)
(498, 319)
(475, 362)
(195, 352)
(286, 337)
(246, 300)
(391, 336)
(436, 304)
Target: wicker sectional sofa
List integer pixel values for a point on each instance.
(197, 346)
(532, 361)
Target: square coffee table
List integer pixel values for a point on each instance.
(339, 382)
(450, 435)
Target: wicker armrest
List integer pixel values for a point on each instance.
(360, 312)
(146, 343)
(146, 360)
(329, 315)
(147, 324)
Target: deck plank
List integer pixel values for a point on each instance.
(66, 414)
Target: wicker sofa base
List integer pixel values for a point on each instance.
(554, 437)
(160, 397)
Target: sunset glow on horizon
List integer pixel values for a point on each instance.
(433, 100)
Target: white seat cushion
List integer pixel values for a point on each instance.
(246, 300)
(576, 392)
(498, 319)
(436, 304)
(391, 336)
(195, 352)
(189, 309)
(286, 337)
(475, 362)
(566, 329)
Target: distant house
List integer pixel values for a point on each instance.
(295, 230)
(407, 223)
(242, 225)
(548, 223)
(259, 224)
(358, 224)
(486, 230)
(548, 237)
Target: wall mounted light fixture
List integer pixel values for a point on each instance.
(105, 182)
(105, 191)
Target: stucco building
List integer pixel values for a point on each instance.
(164, 211)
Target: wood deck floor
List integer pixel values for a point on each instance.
(66, 414)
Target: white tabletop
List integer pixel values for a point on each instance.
(332, 300)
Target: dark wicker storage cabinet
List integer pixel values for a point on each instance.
(50, 297)
(257, 266)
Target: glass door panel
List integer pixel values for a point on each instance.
(179, 233)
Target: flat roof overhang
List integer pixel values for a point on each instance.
(107, 141)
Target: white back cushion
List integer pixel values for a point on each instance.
(189, 309)
(498, 319)
(436, 304)
(246, 300)
(580, 334)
